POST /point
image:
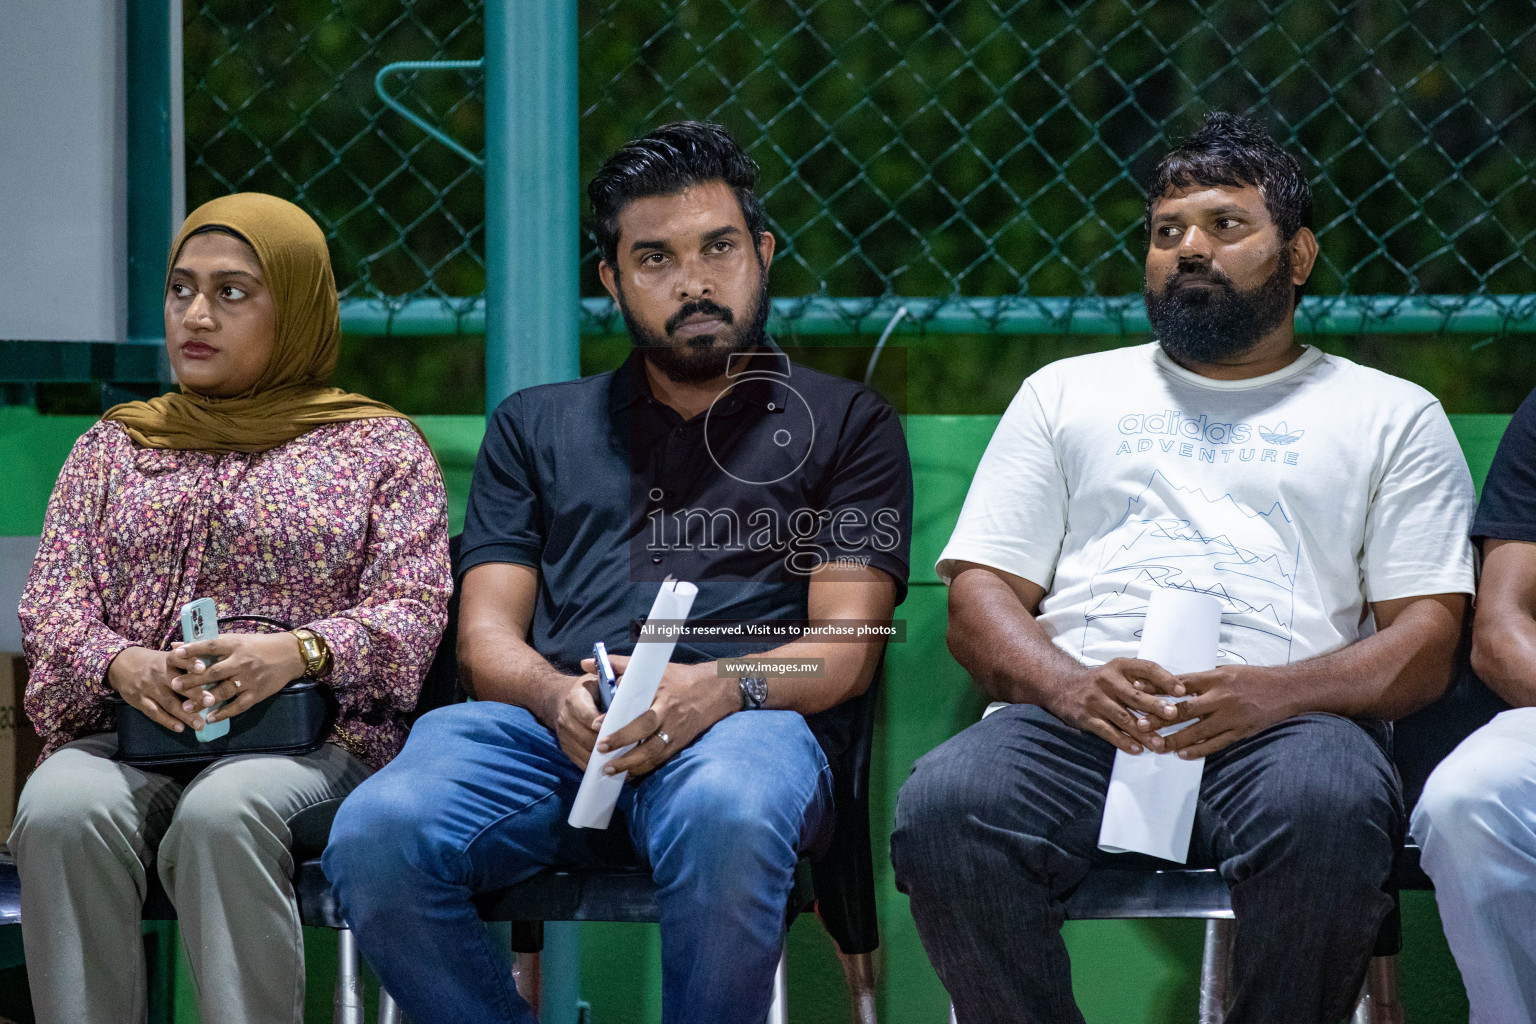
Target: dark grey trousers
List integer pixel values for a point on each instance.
(996, 827)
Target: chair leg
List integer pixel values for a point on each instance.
(1387, 1005)
(778, 1011)
(1379, 1002)
(389, 1010)
(859, 970)
(1215, 964)
(349, 982)
(525, 973)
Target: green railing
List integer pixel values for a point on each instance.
(976, 162)
(824, 315)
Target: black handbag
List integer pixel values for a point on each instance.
(295, 720)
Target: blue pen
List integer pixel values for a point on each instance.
(605, 677)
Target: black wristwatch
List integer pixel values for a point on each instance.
(754, 692)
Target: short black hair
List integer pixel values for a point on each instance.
(1229, 149)
(666, 161)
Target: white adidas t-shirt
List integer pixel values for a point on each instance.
(1296, 498)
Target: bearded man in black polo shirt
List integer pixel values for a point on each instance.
(784, 493)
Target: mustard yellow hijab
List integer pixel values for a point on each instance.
(292, 396)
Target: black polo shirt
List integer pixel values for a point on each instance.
(1508, 507)
(606, 491)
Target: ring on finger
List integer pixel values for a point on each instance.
(237, 684)
(665, 739)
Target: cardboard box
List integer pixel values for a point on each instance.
(19, 743)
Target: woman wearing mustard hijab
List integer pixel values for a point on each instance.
(263, 488)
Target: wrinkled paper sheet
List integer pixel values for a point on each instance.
(599, 793)
(1150, 807)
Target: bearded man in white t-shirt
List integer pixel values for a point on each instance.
(1325, 504)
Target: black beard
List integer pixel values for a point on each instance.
(701, 358)
(1211, 325)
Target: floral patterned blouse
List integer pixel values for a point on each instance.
(343, 530)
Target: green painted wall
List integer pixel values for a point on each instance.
(32, 451)
(927, 699)
(34, 447)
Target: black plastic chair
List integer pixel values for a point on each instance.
(311, 829)
(839, 885)
(317, 906)
(1143, 887)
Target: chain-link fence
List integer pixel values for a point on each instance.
(280, 98)
(979, 162)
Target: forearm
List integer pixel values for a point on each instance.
(865, 596)
(846, 671)
(1401, 668)
(1504, 631)
(496, 664)
(1001, 644)
(380, 652)
(1504, 652)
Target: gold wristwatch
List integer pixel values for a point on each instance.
(317, 656)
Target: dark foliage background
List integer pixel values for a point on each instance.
(910, 148)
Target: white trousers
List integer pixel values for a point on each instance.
(1476, 824)
(88, 831)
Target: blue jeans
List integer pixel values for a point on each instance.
(996, 827)
(478, 800)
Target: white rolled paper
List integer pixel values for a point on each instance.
(1150, 806)
(599, 793)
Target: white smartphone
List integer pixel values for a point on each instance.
(200, 621)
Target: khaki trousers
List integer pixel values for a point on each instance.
(89, 828)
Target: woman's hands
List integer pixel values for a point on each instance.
(251, 668)
(146, 680)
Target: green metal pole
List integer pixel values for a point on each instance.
(152, 36)
(532, 314)
(153, 160)
(532, 300)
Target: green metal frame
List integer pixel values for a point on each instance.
(65, 362)
(150, 172)
(151, 164)
(532, 193)
(389, 100)
(1117, 315)
(531, 312)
